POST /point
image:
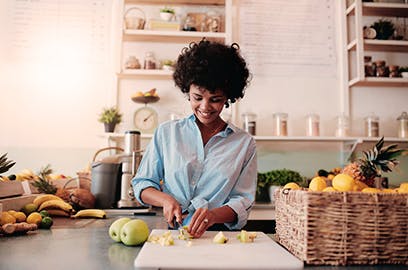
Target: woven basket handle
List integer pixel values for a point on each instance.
(135, 8)
(104, 149)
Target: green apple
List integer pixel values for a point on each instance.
(116, 226)
(134, 232)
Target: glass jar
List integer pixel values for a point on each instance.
(149, 61)
(343, 126)
(249, 123)
(403, 125)
(372, 126)
(280, 124)
(312, 125)
(393, 71)
(369, 67)
(381, 69)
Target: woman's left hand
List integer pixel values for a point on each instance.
(200, 221)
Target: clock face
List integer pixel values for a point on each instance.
(145, 119)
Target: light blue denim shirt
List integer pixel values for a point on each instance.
(223, 172)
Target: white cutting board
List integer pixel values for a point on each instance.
(263, 253)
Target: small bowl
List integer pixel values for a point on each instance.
(166, 16)
(404, 74)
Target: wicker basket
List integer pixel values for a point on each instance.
(343, 228)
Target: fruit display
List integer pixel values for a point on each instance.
(131, 232)
(18, 222)
(146, 97)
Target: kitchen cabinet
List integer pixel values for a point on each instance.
(356, 47)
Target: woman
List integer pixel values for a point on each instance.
(208, 167)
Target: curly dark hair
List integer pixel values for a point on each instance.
(213, 66)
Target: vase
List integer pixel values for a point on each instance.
(109, 127)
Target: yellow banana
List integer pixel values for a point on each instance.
(58, 212)
(45, 197)
(90, 213)
(55, 204)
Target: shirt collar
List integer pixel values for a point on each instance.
(230, 127)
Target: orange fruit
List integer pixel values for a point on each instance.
(329, 189)
(291, 185)
(317, 184)
(371, 190)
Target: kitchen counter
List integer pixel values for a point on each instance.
(85, 244)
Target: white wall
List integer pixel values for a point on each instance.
(49, 105)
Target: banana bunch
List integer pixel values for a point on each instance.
(54, 205)
(90, 213)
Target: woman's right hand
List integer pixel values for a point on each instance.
(171, 207)
(171, 210)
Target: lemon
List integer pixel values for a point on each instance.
(5, 217)
(34, 218)
(317, 184)
(20, 216)
(343, 182)
(29, 208)
(370, 190)
(291, 185)
(329, 189)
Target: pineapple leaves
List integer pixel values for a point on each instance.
(5, 164)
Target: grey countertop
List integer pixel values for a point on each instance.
(85, 244)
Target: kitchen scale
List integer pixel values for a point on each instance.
(146, 119)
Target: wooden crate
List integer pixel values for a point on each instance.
(343, 228)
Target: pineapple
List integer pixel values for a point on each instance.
(374, 161)
(5, 164)
(42, 184)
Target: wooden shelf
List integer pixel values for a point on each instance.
(386, 45)
(170, 36)
(380, 45)
(380, 9)
(378, 81)
(385, 9)
(145, 73)
(177, 2)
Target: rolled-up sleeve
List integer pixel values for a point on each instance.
(150, 170)
(243, 195)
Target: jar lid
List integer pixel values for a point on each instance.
(403, 116)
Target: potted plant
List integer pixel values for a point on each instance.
(110, 117)
(384, 28)
(167, 13)
(403, 71)
(269, 181)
